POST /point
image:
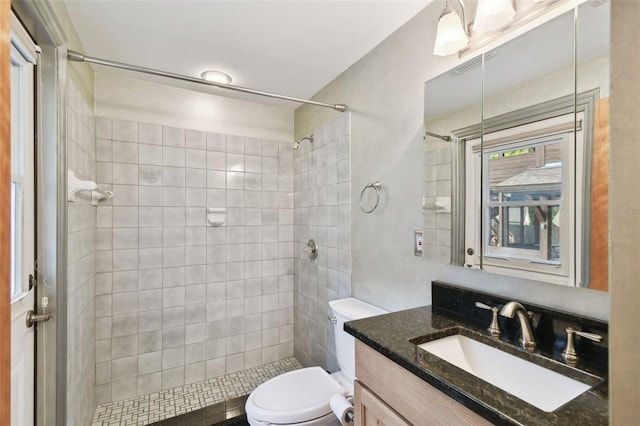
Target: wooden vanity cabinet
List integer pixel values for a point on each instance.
(387, 394)
(370, 410)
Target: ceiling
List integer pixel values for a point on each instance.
(292, 48)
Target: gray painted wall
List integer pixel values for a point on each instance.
(624, 374)
(384, 91)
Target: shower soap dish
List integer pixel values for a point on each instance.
(216, 216)
(75, 185)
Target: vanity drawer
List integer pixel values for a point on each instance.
(408, 395)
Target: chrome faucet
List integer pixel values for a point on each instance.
(511, 309)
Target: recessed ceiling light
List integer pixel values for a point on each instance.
(216, 76)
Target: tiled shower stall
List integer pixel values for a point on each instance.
(322, 183)
(178, 301)
(179, 308)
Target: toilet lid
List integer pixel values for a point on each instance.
(293, 397)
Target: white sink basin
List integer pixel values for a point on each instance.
(532, 383)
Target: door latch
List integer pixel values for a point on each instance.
(32, 281)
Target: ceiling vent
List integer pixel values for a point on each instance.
(474, 63)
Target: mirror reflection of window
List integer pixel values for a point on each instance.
(525, 192)
(529, 199)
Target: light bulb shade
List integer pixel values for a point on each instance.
(451, 36)
(493, 14)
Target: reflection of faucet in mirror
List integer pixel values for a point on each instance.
(510, 310)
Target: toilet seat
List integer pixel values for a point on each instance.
(295, 397)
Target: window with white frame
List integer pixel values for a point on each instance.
(528, 205)
(23, 59)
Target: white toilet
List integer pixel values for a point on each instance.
(301, 397)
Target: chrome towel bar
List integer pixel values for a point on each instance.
(376, 186)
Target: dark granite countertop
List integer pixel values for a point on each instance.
(391, 335)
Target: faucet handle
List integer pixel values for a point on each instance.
(591, 336)
(483, 306)
(569, 353)
(494, 328)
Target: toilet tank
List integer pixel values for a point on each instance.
(348, 310)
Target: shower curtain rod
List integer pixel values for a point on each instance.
(79, 57)
(445, 138)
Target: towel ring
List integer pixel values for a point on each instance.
(376, 185)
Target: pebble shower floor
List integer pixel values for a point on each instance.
(146, 409)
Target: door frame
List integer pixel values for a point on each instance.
(51, 224)
(5, 213)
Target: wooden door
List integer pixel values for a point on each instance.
(599, 274)
(5, 213)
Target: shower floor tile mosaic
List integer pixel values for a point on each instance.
(147, 409)
(228, 413)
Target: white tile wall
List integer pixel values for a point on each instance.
(177, 301)
(81, 281)
(437, 225)
(322, 200)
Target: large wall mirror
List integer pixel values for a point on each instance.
(516, 150)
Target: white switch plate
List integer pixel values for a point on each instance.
(417, 243)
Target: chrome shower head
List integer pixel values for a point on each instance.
(296, 144)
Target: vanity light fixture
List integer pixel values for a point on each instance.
(495, 18)
(453, 33)
(216, 76)
(493, 15)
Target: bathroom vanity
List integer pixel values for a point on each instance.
(384, 390)
(401, 383)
